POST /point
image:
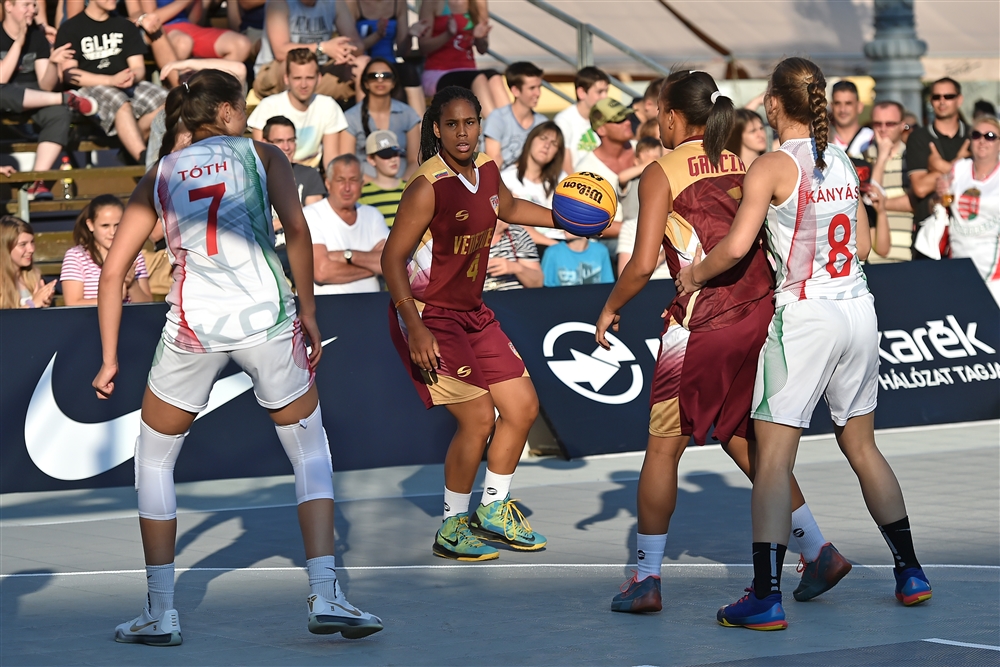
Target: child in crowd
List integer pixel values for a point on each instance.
(577, 261)
(647, 150)
(386, 189)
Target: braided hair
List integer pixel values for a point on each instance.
(801, 87)
(430, 145)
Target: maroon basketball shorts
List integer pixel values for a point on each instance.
(707, 377)
(475, 353)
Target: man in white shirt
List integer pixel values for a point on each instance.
(347, 237)
(319, 120)
(574, 121)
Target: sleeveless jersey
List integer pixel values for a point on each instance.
(705, 203)
(448, 267)
(229, 291)
(974, 231)
(813, 233)
(457, 52)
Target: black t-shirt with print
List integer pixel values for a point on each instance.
(918, 152)
(35, 47)
(102, 47)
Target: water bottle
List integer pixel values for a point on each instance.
(69, 188)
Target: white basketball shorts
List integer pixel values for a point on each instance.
(279, 369)
(818, 347)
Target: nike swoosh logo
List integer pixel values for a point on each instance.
(69, 450)
(453, 542)
(137, 628)
(352, 612)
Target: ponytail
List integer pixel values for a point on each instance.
(194, 104)
(718, 127)
(172, 120)
(820, 120)
(429, 143)
(82, 236)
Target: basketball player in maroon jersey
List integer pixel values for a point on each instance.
(454, 349)
(708, 351)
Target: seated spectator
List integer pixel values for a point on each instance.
(845, 129)
(457, 26)
(380, 111)
(308, 24)
(647, 150)
(889, 183)
(184, 17)
(110, 67)
(22, 285)
(513, 262)
(29, 72)
(577, 261)
(974, 184)
(347, 237)
(252, 14)
(319, 122)
(614, 155)
(650, 129)
(378, 28)
(507, 128)
(281, 132)
(81, 268)
(748, 139)
(536, 174)
(386, 189)
(591, 85)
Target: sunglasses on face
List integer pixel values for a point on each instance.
(887, 124)
(946, 96)
(988, 136)
(379, 76)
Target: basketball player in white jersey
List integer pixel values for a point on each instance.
(229, 300)
(823, 339)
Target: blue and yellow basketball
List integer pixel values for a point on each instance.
(584, 204)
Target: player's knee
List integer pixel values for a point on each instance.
(308, 451)
(155, 457)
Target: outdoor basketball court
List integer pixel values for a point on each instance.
(71, 565)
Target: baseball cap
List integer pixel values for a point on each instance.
(382, 140)
(608, 110)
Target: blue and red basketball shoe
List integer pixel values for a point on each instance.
(912, 586)
(639, 596)
(750, 612)
(822, 574)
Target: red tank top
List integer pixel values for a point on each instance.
(448, 268)
(456, 53)
(705, 203)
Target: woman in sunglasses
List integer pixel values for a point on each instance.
(974, 185)
(380, 110)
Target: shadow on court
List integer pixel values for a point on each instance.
(12, 589)
(712, 522)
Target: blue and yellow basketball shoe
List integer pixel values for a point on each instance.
(753, 613)
(454, 540)
(502, 521)
(912, 586)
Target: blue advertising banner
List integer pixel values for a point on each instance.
(939, 337)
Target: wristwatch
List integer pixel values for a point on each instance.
(319, 50)
(348, 256)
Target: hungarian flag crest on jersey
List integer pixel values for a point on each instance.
(968, 204)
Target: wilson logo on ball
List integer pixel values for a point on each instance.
(584, 204)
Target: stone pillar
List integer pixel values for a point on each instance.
(895, 54)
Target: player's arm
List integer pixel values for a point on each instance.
(521, 211)
(298, 242)
(758, 190)
(137, 222)
(655, 204)
(413, 217)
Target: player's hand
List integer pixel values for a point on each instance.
(685, 282)
(607, 320)
(104, 383)
(313, 340)
(424, 350)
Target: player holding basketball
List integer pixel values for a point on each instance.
(708, 351)
(454, 349)
(229, 300)
(823, 339)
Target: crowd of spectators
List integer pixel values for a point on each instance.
(341, 88)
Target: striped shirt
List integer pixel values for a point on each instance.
(79, 266)
(513, 244)
(386, 201)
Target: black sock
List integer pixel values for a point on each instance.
(767, 560)
(897, 536)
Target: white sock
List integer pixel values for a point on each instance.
(455, 503)
(649, 554)
(160, 583)
(495, 487)
(807, 534)
(323, 576)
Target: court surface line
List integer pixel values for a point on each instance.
(949, 642)
(498, 566)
